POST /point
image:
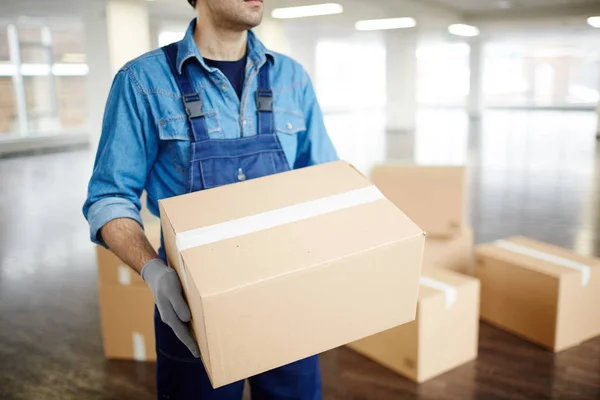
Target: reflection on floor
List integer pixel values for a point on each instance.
(531, 173)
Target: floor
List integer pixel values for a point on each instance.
(531, 173)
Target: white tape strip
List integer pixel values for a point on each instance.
(540, 255)
(271, 219)
(124, 275)
(139, 347)
(450, 291)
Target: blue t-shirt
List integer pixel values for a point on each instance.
(235, 71)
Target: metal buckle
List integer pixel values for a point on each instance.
(264, 100)
(193, 106)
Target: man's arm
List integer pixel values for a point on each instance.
(126, 238)
(127, 150)
(317, 147)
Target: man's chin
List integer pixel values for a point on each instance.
(251, 23)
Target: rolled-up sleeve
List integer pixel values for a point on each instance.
(317, 148)
(127, 149)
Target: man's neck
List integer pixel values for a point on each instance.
(219, 44)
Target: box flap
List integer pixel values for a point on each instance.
(540, 257)
(437, 281)
(433, 196)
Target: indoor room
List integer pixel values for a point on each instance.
(288, 199)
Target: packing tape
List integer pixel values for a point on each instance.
(450, 292)
(270, 219)
(540, 255)
(139, 347)
(124, 273)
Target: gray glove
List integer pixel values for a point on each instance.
(168, 296)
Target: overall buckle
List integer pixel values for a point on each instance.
(264, 100)
(193, 106)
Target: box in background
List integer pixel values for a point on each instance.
(444, 335)
(295, 269)
(455, 254)
(127, 314)
(432, 196)
(543, 293)
(126, 306)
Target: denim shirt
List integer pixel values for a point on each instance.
(145, 141)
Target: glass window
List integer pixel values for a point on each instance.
(542, 71)
(337, 69)
(33, 42)
(72, 99)
(447, 85)
(70, 70)
(8, 111)
(50, 78)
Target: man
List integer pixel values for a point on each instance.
(213, 109)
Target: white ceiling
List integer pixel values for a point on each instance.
(354, 9)
(491, 6)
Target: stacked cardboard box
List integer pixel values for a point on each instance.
(433, 197)
(307, 262)
(445, 332)
(443, 336)
(543, 293)
(126, 306)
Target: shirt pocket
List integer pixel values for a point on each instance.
(177, 127)
(289, 122)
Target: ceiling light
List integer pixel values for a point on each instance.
(35, 69)
(388, 23)
(307, 11)
(70, 69)
(463, 30)
(594, 21)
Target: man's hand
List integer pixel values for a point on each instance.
(168, 297)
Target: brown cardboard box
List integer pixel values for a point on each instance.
(113, 271)
(455, 254)
(433, 197)
(126, 306)
(443, 336)
(127, 314)
(291, 265)
(540, 292)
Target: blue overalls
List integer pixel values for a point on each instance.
(217, 162)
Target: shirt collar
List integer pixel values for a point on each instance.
(187, 49)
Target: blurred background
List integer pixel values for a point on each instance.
(509, 88)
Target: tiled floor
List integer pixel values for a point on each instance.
(531, 173)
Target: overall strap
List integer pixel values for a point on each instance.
(191, 99)
(264, 102)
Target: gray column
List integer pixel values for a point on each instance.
(116, 31)
(401, 80)
(475, 100)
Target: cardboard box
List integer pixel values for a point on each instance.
(444, 335)
(127, 314)
(455, 254)
(540, 292)
(126, 306)
(433, 197)
(291, 265)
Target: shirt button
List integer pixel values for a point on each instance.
(224, 86)
(241, 175)
(289, 125)
(245, 122)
